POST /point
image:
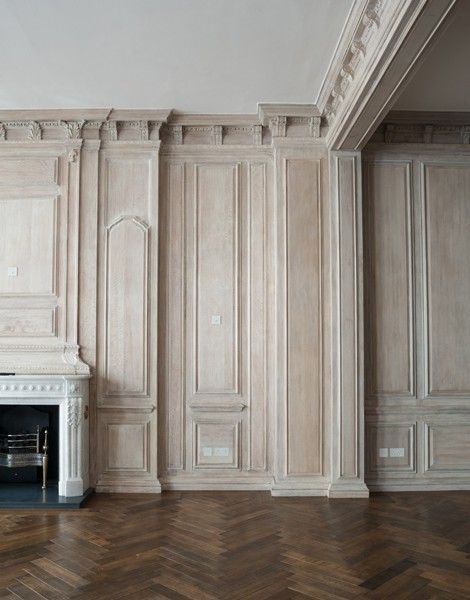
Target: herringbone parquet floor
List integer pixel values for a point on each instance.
(240, 545)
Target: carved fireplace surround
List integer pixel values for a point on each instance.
(70, 394)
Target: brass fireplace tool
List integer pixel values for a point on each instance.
(23, 450)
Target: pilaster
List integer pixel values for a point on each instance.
(347, 376)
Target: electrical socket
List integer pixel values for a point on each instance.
(221, 451)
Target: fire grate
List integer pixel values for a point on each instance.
(23, 450)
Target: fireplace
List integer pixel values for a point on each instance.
(60, 405)
(29, 444)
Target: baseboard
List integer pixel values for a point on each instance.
(182, 483)
(128, 487)
(289, 492)
(300, 487)
(425, 486)
(348, 489)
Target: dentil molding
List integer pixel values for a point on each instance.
(364, 27)
(380, 47)
(416, 127)
(171, 128)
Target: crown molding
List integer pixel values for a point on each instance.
(380, 48)
(284, 120)
(138, 126)
(422, 117)
(416, 127)
(267, 111)
(192, 119)
(138, 114)
(343, 48)
(55, 114)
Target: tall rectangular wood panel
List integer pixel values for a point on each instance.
(213, 409)
(127, 317)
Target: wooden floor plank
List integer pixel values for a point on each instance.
(240, 546)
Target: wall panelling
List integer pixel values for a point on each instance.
(417, 240)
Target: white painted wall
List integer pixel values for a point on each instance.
(211, 56)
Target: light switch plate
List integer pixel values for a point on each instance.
(216, 320)
(397, 452)
(383, 452)
(12, 271)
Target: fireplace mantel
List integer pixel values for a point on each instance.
(70, 394)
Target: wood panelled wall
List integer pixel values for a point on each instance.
(417, 290)
(126, 366)
(39, 204)
(201, 300)
(215, 416)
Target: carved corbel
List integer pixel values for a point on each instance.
(314, 124)
(176, 134)
(34, 131)
(109, 130)
(427, 135)
(278, 126)
(155, 128)
(257, 135)
(217, 135)
(465, 134)
(74, 129)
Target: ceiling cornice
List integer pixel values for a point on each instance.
(426, 127)
(298, 121)
(362, 26)
(377, 53)
(55, 114)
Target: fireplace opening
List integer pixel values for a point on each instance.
(16, 421)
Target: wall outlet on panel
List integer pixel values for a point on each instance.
(207, 451)
(12, 271)
(221, 451)
(397, 452)
(216, 320)
(383, 452)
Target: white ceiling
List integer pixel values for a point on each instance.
(442, 83)
(207, 56)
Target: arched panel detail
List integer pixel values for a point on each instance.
(126, 307)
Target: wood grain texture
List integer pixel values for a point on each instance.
(127, 285)
(214, 412)
(222, 546)
(303, 316)
(446, 192)
(416, 280)
(389, 313)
